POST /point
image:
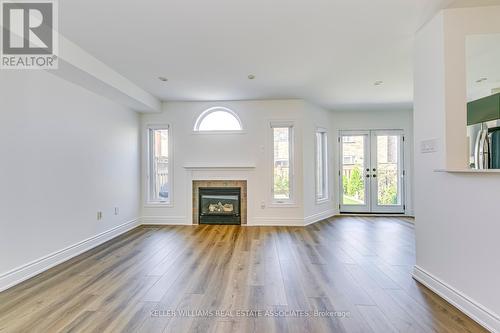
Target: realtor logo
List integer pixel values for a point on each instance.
(29, 34)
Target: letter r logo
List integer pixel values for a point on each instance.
(27, 27)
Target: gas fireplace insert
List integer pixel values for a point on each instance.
(220, 205)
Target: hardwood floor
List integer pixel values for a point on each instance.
(349, 274)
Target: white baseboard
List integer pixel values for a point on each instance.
(482, 315)
(292, 221)
(24, 272)
(166, 220)
(320, 216)
(277, 221)
(256, 221)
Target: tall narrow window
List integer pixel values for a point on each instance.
(321, 165)
(159, 165)
(282, 163)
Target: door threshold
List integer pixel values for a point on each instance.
(374, 214)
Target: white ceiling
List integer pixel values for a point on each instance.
(327, 51)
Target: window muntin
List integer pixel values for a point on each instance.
(321, 165)
(282, 163)
(159, 189)
(218, 119)
(349, 139)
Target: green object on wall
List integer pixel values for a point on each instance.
(484, 109)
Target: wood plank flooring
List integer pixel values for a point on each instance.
(348, 274)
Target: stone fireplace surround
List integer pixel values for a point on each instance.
(219, 183)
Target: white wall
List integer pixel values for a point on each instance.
(65, 153)
(457, 220)
(375, 119)
(313, 210)
(253, 147)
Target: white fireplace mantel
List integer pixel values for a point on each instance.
(204, 166)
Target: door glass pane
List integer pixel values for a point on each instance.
(353, 164)
(388, 186)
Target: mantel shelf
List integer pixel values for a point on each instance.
(196, 166)
(468, 170)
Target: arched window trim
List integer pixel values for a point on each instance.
(204, 114)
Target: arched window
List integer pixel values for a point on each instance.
(218, 119)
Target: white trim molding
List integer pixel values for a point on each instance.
(482, 315)
(293, 221)
(290, 125)
(318, 217)
(165, 220)
(277, 221)
(218, 167)
(149, 140)
(207, 112)
(24, 272)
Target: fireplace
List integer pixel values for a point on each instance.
(240, 184)
(219, 205)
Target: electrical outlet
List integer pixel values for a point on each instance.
(263, 205)
(117, 211)
(99, 216)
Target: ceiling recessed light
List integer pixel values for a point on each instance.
(481, 80)
(162, 78)
(378, 83)
(251, 77)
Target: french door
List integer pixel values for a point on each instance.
(371, 171)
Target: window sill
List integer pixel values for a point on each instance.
(218, 132)
(283, 205)
(158, 205)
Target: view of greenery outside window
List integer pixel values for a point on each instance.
(321, 165)
(352, 170)
(281, 163)
(354, 185)
(387, 170)
(158, 173)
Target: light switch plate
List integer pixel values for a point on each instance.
(428, 146)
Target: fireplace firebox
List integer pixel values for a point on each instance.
(219, 205)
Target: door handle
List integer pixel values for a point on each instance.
(374, 176)
(367, 176)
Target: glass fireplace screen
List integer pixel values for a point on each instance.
(219, 204)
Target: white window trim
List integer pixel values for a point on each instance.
(148, 203)
(205, 113)
(326, 179)
(291, 201)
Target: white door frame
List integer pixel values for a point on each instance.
(364, 208)
(370, 163)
